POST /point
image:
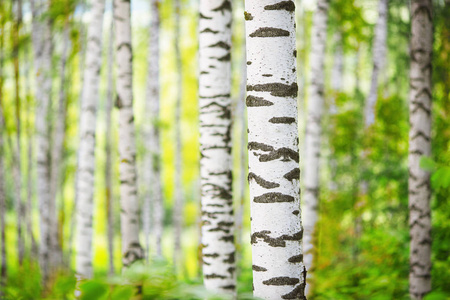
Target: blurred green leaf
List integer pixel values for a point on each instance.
(427, 164)
(93, 290)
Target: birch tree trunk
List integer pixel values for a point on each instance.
(313, 135)
(42, 46)
(215, 146)
(108, 150)
(420, 145)
(179, 201)
(152, 168)
(129, 216)
(17, 171)
(379, 57)
(86, 164)
(3, 266)
(278, 270)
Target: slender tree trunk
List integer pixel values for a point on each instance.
(86, 165)
(16, 10)
(274, 174)
(379, 57)
(420, 145)
(313, 135)
(42, 46)
(179, 197)
(108, 150)
(215, 146)
(152, 172)
(129, 217)
(58, 141)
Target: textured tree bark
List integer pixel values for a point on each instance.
(420, 145)
(274, 174)
(58, 138)
(379, 57)
(42, 46)
(86, 164)
(152, 173)
(16, 10)
(215, 146)
(313, 135)
(179, 196)
(108, 150)
(129, 216)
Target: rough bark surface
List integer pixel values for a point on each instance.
(218, 247)
(129, 214)
(152, 170)
(42, 46)
(278, 270)
(379, 57)
(313, 135)
(86, 164)
(420, 145)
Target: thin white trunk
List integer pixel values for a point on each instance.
(129, 216)
(274, 174)
(313, 135)
(86, 165)
(108, 150)
(379, 57)
(152, 171)
(179, 196)
(420, 145)
(42, 46)
(219, 264)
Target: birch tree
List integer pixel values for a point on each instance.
(3, 266)
(379, 57)
(152, 170)
(215, 146)
(108, 150)
(86, 163)
(313, 133)
(179, 201)
(420, 145)
(42, 46)
(129, 216)
(276, 228)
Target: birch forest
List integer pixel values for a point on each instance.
(225, 149)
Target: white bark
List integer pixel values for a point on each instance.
(215, 146)
(86, 164)
(313, 135)
(179, 196)
(108, 150)
(42, 46)
(379, 57)
(278, 270)
(152, 170)
(420, 145)
(129, 216)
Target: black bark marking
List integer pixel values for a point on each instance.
(230, 259)
(259, 146)
(219, 192)
(226, 5)
(213, 255)
(258, 268)
(267, 75)
(282, 281)
(204, 72)
(296, 212)
(273, 198)
(215, 96)
(220, 45)
(214, 276)
(253, 101)
(282, 120)
(202, 16)
(286, 153)
(297, 293)
(227, 239)
(209, 30)
(229, 287)
(248, 16)
(275, 242)
(295, 53)
(249, 63)
(226, 57)
(294, 174)
(269, 32)
(262, 182)
(231, 270)
(276, 89)
(296, 259)
(286, 5)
